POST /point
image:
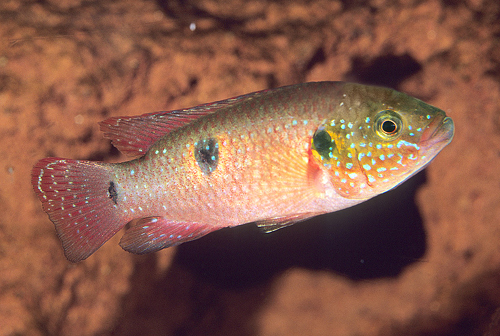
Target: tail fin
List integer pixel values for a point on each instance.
(80, 199)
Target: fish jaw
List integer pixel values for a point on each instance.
(438, 134)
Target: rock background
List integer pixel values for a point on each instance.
(423, 259)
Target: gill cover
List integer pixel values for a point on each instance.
(366, 156)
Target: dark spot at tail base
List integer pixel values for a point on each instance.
(112, 193)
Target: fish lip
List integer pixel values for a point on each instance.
(440, 130)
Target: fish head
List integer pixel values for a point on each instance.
(381, 138)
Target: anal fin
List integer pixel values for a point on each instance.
(275, 223)
(152, 234)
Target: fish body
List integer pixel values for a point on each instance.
(273, 157)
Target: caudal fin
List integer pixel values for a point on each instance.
(80, 199)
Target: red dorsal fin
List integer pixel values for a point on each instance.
(155, 233)
(133, 136)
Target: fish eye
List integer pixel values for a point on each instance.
(388, 124)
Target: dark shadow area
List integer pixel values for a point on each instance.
(375, 239)
(388, 70)
(218, 283)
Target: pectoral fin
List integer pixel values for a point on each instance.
(276, 223)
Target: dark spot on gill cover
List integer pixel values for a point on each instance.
(112, 193)
(323, 143)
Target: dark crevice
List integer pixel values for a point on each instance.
(318, 58)
(388, 70)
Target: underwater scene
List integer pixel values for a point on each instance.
(329, 167)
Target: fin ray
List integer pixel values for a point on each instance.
(134, 135)
(74, 195)
(272, 224)
(152, 234)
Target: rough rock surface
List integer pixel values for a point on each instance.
(423, 259)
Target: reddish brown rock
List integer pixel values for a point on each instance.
(422, 260)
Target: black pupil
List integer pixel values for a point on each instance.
(323, 143)
(389, 126)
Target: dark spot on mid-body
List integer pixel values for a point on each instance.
(206, 153)
(112, 193)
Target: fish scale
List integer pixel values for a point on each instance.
(273, 157)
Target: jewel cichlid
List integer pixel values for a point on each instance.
(273, 157)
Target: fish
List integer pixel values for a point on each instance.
(273, 157)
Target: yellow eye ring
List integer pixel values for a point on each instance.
(388, 124)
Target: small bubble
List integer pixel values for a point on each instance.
(79, 119)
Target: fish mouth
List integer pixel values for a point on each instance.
(439, 131)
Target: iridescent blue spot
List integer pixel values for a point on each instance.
(367, 167)
(382, 157)
(412, 157)
(348, 165)
(406, 143)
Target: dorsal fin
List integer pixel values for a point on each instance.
(133, 136)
